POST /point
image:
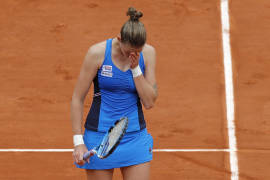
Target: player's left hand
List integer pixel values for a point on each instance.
(134, 59)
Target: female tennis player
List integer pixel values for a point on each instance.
(123, 72)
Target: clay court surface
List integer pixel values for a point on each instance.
(42, 47)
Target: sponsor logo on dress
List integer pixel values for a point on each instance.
(107, 68)
(107, 74)
(107, 71)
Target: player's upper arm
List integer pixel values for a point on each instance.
(149, 54)
(90, 66)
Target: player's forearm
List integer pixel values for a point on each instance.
(76, 111)
(146, 91)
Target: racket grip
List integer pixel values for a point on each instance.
(88, 154)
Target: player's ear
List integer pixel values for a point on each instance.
(119, 37)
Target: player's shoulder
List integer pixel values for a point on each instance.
(149, 49)
(96, 52)
(98, 48)
(149, 53)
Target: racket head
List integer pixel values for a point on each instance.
(112, 138)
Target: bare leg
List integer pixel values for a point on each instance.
(136, 172)
(99, 174)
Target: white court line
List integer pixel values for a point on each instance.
(154, 150)
(191, 150)
(229, 88)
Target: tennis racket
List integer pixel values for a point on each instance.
(110, 141)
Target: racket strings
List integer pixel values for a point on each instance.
(113, 137)
(110, 140)
(116, 133)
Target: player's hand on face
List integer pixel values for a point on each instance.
(134, 59)
(78, 154)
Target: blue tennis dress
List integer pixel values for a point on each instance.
(115, 96)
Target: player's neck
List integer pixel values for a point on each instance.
(116, 51)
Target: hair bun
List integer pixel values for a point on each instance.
(134, 14)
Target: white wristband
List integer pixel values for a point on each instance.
(136, 71)
(78, 139)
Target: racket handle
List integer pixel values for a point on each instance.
(88, 154)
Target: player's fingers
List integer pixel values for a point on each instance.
(91, 153)
(137, 55)
(81, 156)
(77, 158)
(131, 61)
(81, 160)
(134, 59)
(74, 156)
(132, 56)
(132, 53)
(86, 156)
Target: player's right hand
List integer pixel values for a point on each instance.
(78, 153)
(134, 59)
